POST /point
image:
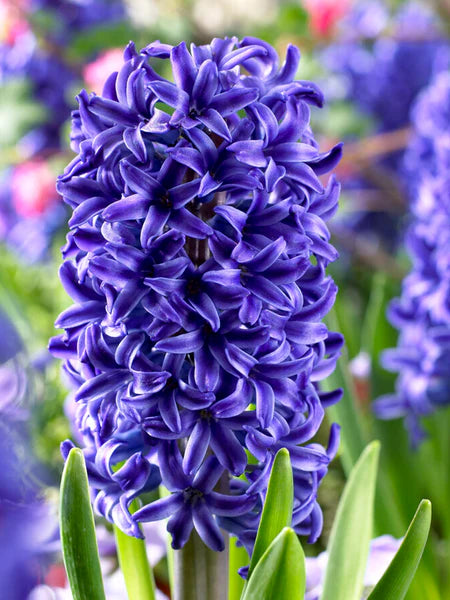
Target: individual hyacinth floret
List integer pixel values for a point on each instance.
(196, 260)
(422, 313)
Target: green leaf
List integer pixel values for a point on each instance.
(135, 566)
(78, 539)
(277, 510)
(352, 531)
(280, 573)
(396, 580)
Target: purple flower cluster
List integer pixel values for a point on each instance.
(196, 260)
(422, 313)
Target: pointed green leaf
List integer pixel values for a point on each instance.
(280, 573)
(277, 510)
(135, 566)
(396, 580)
(78, 539)
(352, 530)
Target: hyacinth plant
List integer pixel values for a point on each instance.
(196, 260)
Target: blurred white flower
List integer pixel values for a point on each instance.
(360, 366)
(215, 17)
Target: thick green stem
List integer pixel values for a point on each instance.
(134, 563)
(135, 567)
(200, 573)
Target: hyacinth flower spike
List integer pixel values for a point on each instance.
(196, 259)
(422, 313)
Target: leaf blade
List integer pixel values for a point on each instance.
(398, 576)
(349, 546)
(79, 543)
(280, 573)
(277, 510)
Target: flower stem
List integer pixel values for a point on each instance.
(200, 572)
(134, 563)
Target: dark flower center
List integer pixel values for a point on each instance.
(193, 287)
(166, 201)
(171, 384)
(192, 495)
(207, 330)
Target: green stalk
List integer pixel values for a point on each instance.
(135, 566)
(163, 493)
(238, 558)
(200, 573)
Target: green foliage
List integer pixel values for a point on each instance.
(18, 113)
(396, 580)
(293, 18)
(78, 539)
(352, 531)
(280, 573)
(277, 566)
(99, 39)
(32, 295)
(345, 412)
(135, 566)
(277, 510)
(343, 120)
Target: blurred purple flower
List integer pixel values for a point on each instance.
(71, 17)
(422, 313)
(13, 377)
(23, 516)
(196, 259)
(380, 63)
(384, 74)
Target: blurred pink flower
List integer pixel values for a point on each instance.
(12, 20)
(96, 72)
(33, 188)
(324, 14)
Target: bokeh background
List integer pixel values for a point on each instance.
(372, 59)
